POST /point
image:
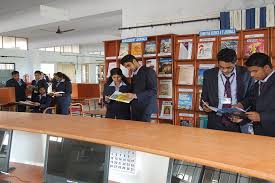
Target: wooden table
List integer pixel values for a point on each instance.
(8, 106)
(246, 154)
(24, 172)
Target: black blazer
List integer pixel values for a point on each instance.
(116, 109)
(39, 83)
(144, 85)
(19, 90)
(265, 105)
(65, 86)
(210, 93)
(45, 102)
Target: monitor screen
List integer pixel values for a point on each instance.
(76, 161)
(5, 146)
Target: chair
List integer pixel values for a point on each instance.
(76, 109)
(101, 112)
(53, 110)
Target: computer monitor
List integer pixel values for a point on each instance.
(75, 161)
(5, 148)
(184, 172)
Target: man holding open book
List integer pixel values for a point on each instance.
(144, 89)
(223, 87)
(261, 100)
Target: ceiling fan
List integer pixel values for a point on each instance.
(58, 31)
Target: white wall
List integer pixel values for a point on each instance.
(28, 148)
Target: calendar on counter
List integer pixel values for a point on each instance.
(123, 160)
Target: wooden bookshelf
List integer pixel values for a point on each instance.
(185, 56)
(241, 37)
(112, 55)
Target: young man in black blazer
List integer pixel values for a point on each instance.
(262, 99)
(20, 88)
(144, 89)
(223, 87)
(39, 81)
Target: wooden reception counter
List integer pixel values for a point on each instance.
(246, 154)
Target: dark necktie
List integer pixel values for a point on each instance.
(227, 90)
(262, 86)
(227, 93)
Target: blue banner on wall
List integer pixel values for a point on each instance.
(135, 39)
(218, 32)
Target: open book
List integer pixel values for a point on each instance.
(29, 103)
(120, 97)
(235, 111)
(54, 93)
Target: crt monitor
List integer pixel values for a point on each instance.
(5, 147)
(74, 161)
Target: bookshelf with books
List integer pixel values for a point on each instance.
(184, 88)
(157, 53)
(180, 61)
(164, 68)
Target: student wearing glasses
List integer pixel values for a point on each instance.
(223, 87)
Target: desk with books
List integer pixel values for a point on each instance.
(241, 153)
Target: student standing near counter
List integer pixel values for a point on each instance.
(224, 86)
(63, 100)
(116, 82)
(144, 89)
(262, 99)
(20, 89)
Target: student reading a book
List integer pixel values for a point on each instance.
(36, 83)
(116, 82)
(262, 98)
(224, 87)
(144, 89)
(43, 101)
(20, 88)
(63, 97)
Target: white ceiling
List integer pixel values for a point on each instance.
(100, 23)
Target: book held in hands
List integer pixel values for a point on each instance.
(120, 97)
